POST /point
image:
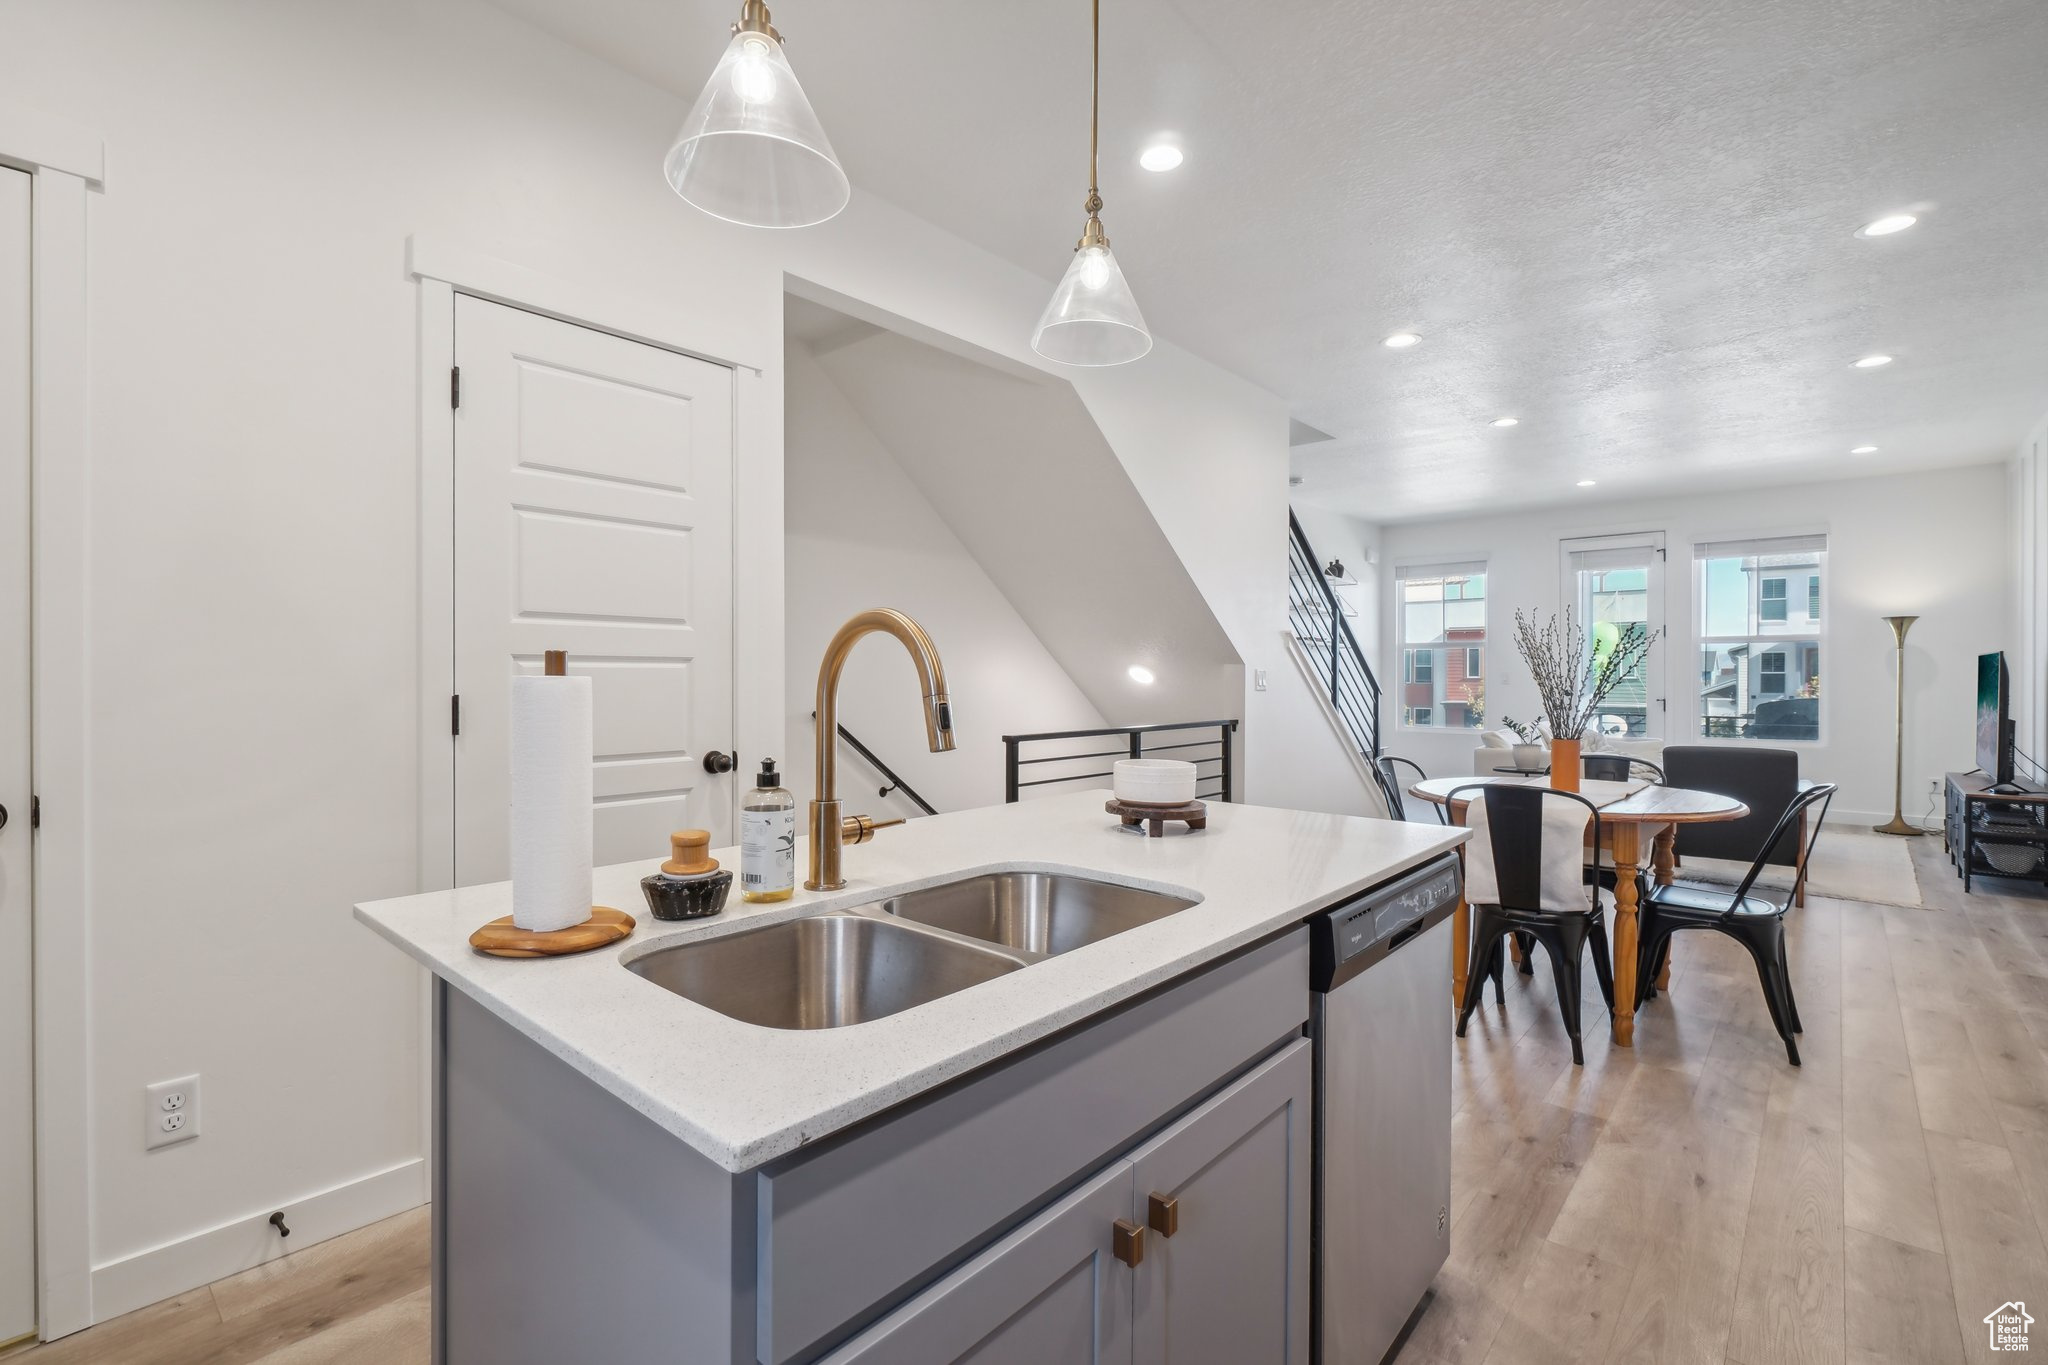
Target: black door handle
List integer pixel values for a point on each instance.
(3, 817)
(716, 762)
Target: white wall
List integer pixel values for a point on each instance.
(1017, 468)
(860, 534)
(1932, 544)
(253, 620)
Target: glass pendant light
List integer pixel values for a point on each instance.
(752, 151)
(1092, 318)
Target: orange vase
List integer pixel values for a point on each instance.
(1564, 764)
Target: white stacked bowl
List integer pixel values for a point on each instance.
(1155, 781)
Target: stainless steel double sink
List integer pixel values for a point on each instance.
(870, 961)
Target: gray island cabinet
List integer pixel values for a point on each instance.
(1133, 1188)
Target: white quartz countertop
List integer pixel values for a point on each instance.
(742, 1095)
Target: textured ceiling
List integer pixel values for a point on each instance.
(1626, 222)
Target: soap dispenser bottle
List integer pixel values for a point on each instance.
(768, 839)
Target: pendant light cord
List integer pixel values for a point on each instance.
(1094, 204)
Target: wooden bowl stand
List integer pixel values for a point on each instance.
(1193, 814)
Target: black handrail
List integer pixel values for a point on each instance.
(890, 781)
(1134, 747)
(1317, 620)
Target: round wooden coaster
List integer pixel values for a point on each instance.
(500, 938)
(1153, 815)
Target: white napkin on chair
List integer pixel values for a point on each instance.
(1561, 883)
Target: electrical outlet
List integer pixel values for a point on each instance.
(170, 1112)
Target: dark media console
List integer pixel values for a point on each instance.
(1996, 829)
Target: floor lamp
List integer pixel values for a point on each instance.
(1900, 625)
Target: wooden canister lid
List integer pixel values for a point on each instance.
(690, 853)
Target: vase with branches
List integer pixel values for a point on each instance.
(1572, 677)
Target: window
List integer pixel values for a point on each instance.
(1442, 624)
(1759, 672)
(1771, 673)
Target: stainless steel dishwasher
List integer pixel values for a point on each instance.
(1380, 1014)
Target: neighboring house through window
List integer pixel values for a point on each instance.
(1441, 619)
(1760, 633)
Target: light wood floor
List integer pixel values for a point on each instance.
(361, 1299)
(1693, 1202)
(1699, 1200)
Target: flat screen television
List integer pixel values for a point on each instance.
(1994, 730)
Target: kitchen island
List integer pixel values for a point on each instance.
(623, 1173)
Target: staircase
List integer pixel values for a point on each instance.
(1341, 673)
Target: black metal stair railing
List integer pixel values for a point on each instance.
(1058, 757)
(891, 782)
(1341, 673)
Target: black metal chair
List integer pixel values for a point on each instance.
(1619, 768)
(1514, 836)
(1397, 790)
(1756, 922)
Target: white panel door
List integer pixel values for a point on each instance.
(17, 1067)
(593, 513)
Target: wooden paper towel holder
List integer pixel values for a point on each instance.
(502, 938)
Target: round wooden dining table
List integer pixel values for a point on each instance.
(1633, 816)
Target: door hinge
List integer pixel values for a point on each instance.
(455, 714)
(35, 813)
(455, 386)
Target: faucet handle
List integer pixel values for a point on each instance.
(859, 829)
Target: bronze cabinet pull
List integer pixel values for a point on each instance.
(1128, 1243)
(1162, 1214)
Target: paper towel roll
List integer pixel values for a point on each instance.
(551, 802)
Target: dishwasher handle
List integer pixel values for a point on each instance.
(1410, 932)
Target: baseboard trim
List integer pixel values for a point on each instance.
(166, 1271)
(1864, 820)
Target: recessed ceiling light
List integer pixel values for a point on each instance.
(1401, 341)
(1887, 225)
(1160, 156)
(1141, 675)
(1507, 421)
(1863, 450)
(1871, 362)
(1585, 483)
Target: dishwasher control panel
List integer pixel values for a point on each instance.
(1382, 914)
